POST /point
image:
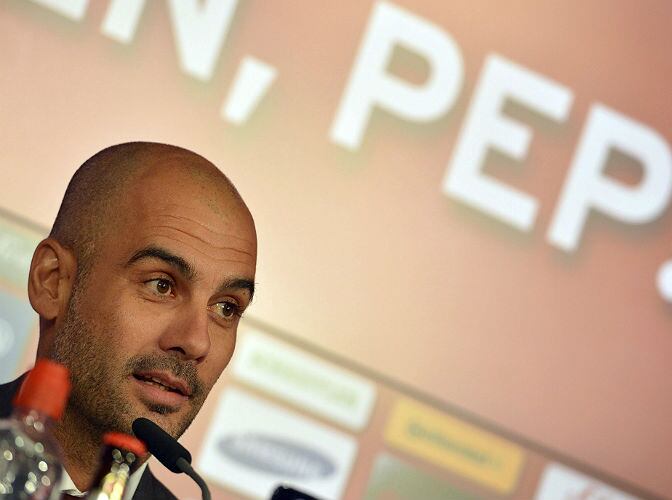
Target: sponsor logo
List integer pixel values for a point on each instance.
(253, 445)
(562, 483)
(304, 380)
(277, 456)
(421, 433)
(454, 444)
(394, 478)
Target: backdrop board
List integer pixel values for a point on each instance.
(463, 220)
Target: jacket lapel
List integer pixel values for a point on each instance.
(151, 488)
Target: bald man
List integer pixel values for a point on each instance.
(139, 288)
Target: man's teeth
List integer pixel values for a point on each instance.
(157, 382)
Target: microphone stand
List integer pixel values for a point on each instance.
(186, 467)
(168, 451)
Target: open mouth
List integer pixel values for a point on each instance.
(162, 383)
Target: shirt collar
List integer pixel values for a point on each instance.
(66, 484)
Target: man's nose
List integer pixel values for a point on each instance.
(188, 334)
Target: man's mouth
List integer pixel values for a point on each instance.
(164, 381)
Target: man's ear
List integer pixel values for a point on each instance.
(52, 273)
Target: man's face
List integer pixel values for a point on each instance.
(153, 323)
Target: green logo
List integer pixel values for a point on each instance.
(393, 478)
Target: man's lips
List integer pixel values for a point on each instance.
(152, 394)
(165, 379)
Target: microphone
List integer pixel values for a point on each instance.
(286, 493)
(168, 451)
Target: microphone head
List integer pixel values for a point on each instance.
(160, 444)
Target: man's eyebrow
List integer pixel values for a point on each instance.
(187, 270)
(175, 261)
(237, 284)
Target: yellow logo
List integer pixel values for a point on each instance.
(456, 445)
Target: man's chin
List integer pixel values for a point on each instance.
(172, 420)
(164, 415)
(160, 409)
(172, 411)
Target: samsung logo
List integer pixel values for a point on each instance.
(276, 456)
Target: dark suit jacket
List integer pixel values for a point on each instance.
(149, 488)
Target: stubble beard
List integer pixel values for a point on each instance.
(95, 403)
(98, 403)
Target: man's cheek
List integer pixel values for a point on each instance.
(140, 324)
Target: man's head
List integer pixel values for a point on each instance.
(141, 284)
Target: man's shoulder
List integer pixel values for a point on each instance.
(151, 488)
(7, 392)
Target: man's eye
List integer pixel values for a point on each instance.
(227, 309)
(160, 286)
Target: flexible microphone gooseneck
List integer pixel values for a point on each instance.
(168, 451)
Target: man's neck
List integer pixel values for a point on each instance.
(80, 445)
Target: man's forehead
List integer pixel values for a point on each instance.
(195, 227)
(166, 202)
(191, 187)
(196, 220)
(175, 188)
